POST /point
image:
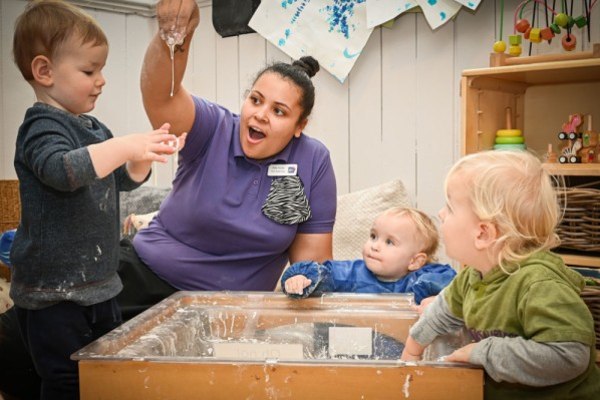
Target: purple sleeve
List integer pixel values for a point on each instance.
(206, 124)
(322, 199)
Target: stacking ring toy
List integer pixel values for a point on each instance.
(510, 140)
(509, 132)
(510, 147)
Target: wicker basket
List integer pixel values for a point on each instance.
(10, 204)
(10, 213)
(580, 226)
(591, 297)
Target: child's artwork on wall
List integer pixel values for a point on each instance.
(335, 31)
(332, 31)
(436, 12)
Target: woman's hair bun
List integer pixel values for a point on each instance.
(308, 64)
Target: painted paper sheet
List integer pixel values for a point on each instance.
(472, 4)
(332, 31)
(436, 12)
(381, 11)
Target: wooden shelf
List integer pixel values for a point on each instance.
(541, 95)
(581, 261)
(573, 169)
(544, 73)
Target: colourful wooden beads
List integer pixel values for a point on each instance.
(569, 42)
(515, 45)
(537, 35)
(500, 46)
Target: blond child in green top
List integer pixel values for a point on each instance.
(531, 331)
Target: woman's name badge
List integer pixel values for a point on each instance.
(282, 170)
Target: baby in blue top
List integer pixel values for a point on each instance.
(398, 257)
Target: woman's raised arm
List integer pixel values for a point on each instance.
(177, 20)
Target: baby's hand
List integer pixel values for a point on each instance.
(296, 284)
(462, 354)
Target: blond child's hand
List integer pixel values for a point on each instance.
(420, 309)
(462, 354)
(406, 356)
(296, 284)
(413, 351)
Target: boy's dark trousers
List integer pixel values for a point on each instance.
(142, 289)
(52, 334)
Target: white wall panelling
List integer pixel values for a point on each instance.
(396, 115)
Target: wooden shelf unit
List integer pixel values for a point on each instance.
(541, 96)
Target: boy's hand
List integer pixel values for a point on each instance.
(153, 146)
(462, 354)
(296, 284)
(138, 150)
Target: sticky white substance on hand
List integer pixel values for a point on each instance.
(174, 143)
(172, 38)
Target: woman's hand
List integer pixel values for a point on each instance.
(163, 95)
(296, 284)
(177, 16)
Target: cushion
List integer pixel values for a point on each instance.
(356, 212)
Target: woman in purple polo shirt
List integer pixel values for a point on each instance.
(251, 192)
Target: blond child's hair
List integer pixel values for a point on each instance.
(45, 26)
(512, 190)
(425, 228)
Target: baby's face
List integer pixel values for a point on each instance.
(393, 242)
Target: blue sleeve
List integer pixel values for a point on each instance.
(432, 281)
(352, 276)
(319, 274)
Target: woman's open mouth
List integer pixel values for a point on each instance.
(255, 135)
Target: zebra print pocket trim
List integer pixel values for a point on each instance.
(286, 202)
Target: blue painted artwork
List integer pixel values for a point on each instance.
(336, 31)
(436, 12)
(332, 31)
(340, 13)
